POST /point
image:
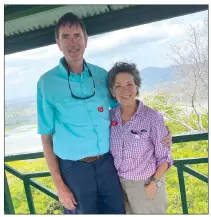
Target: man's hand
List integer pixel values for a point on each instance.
(150, 190)
(66, 198)
(167, 140)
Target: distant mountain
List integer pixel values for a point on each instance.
(22, 102)
(153, 76)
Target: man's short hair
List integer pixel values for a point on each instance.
(69, 19)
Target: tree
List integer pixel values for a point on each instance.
(175, 113)
(190, 60)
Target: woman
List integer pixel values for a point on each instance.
(140, 157)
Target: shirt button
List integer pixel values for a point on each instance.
(96, 125)
(90, 110)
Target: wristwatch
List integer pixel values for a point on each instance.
(157, 181)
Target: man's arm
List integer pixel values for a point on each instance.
(65, 195)
(45, 120)
(51, 159)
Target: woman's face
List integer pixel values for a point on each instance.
(125, 89)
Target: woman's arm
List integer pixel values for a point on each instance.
(151, 188)
(158, 131)
(162, 153)
(161, 170)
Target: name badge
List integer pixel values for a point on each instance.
(137, 136)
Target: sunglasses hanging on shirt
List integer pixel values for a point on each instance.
(90, 74)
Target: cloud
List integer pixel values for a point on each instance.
(35, 54)
(113, 40)
(154, 33)
(190, 18)
(12, 69)
(144, 45)
(158, 32)
(139, 35)
(16, 81)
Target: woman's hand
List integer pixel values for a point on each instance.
(151, 190)
(167, 140)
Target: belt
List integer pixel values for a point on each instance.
(91, 159)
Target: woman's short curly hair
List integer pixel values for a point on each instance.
(123, 67)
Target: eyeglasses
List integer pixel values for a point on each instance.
(77, 97)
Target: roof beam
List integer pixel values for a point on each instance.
(136, 15)
(109, 7)
(18, 11)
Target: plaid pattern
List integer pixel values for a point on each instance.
(136, 146)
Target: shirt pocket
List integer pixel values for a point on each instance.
(64, 105)
(70, 110)
(102, 89)
(137, 144)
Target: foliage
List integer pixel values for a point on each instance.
(197, 191)
(190, 60)
(177, 114)
(43, 203)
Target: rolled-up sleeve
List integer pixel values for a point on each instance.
(159, 131)
(45, 111)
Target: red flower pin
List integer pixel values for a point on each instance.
(114, 123)
(100, 109)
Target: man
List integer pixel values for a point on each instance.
(73, 120)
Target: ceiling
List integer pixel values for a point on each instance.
(32, 26)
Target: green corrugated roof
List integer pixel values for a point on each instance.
(32, 26)
(45, 16)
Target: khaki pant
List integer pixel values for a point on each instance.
(137, 201)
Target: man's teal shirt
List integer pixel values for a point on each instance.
(79, 129)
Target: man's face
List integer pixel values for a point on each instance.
(72, 42)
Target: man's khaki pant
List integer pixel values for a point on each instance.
(137, 201)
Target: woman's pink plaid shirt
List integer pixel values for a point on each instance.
(136, 146)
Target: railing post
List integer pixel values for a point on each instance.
(182, 189)
(29, 195)
(8, 205)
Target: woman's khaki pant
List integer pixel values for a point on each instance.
(137, 201)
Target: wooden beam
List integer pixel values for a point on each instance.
(110, 21)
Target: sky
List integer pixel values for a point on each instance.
(146, 45)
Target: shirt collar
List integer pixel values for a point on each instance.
(140, 107)
(64, 69)
(139, 111)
